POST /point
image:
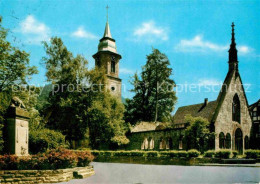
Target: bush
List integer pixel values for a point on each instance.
(8, 162)
(252, 154)
(122, 153)
(84, 158)
(223, 154)
(53, 159)
(182, 154)
(193, 153)
(168, 154)
(108, 153)
(210, 153)
(138, 153)
(235, 153)
(43, 139)
(152, 154)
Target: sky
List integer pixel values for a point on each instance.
(195, 36)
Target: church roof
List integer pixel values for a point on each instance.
(146, 126)
(205, 110)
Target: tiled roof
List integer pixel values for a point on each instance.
(202, 110)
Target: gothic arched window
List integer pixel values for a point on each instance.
(221, 140)
(236, 109)
(228, 141)
(113, 65)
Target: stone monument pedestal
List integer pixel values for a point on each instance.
(17, 131)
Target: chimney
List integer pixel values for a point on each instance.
(206, 101)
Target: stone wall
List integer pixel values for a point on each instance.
(224, 121)
(44, 176)
(162, 139)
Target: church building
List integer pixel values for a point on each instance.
(228, 116)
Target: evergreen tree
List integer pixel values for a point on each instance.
(154, 97)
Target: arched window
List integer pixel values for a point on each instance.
(151, 143)
(113, 65)
(221, 140)
(180, 142)
(146, 143)
(162, 144)
(236, 109)
(228, 141)
(246, 142)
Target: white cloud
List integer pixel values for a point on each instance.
(209, 82)
(197, 44)
(126, 71)
(150, 32)
(34, 30)
(243, 49)
(82, 33)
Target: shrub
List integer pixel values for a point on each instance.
(252, 154)
(210, 153)
(53, 159)
(138, 153)
(235, 153)
(193, 153)
(182, 154)
(8, 162)
(108, 153)
(223, 154)
(84, 158)
(43, 139)
(122, 153)
(169, 154)
(152, 154)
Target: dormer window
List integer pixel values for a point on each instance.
(113, 64)
(236, 109)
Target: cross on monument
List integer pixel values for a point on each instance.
(107, 12)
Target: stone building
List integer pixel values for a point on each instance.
(228, 116)
(108, 59)
(255, 133)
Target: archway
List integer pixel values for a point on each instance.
(239, 140)
(228, 141)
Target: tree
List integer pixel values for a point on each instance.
(65, 109)
(14, 65)
(107, 127)
(197, 134)
(87, 106)
(14, 70)
(154, 97)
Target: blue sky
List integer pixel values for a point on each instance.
(195, 35)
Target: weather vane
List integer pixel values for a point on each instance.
(107, 12)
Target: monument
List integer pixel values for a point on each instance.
(17, 129)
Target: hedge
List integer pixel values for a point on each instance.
(252, 154)
(210, 153)
(170, 153)
(223, 154)
(53, 159)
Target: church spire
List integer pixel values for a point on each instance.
(233, 62)
(107, 29)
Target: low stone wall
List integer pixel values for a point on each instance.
(44, 176)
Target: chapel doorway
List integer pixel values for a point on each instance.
(239, 141)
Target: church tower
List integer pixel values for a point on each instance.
(108, 58)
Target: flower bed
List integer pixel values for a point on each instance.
(53, 159)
